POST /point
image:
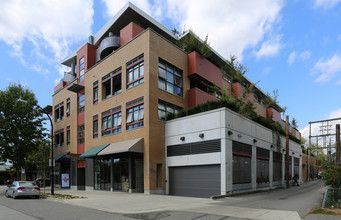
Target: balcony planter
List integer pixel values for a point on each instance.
(272, 114)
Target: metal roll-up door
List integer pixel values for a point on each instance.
(194, 181)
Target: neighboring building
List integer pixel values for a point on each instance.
(109, 111)
(220, 152)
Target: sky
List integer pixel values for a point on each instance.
(292, 46)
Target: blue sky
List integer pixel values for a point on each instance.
(293, 46)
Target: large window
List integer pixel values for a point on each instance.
(165, 108)
(111, 121)
(170, 78)
(81, 69)
(95, 126)
(112, 83)
(59, 138)
(68, 135)
(263, 157)
(242, 154)
(135, 113)
(81, 134)
(95, 93)
(277, 166)
(81, 103)
(135, 71)
(59, 112)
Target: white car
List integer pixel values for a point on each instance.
(22, 189)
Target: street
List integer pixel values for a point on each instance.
(103, 205)
(300, 199)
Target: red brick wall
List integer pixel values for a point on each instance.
(129, 32)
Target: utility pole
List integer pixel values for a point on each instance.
(287, 151)
(337, 144)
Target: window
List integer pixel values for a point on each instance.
(59, 138)
(59, 112)
(68, 137)
(263, 157)
(135, 113)
(81, 102)
(170, 78)
(112, 83)
(68, 107)
(165, 108)
(242, 154)
(95, 126)
(81, 133)
(111, 121)
(135, 71)
(277, 166)
(81, 69)
(95, 93)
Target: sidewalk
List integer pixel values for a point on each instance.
(121, 202)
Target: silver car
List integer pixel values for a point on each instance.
(22, 188)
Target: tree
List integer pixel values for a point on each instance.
(20, 125)
(39, 158)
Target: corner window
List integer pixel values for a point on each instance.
(111, 121)
(81, 134)
(95, 126)
(135, 71)
(165, 108)
(68, 107)
(81, 103)
(112, 83)
(135, 113)
(81, 69)
(170, 78)
(95, 93)
(59, 112)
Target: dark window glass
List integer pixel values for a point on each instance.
(165, 108)
(170, 78)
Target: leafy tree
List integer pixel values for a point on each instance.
(332, 176)
(39, 158)
(234, 70)
(294, 123)
(20, 125)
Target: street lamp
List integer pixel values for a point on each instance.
(52, 164)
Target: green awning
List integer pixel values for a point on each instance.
(93, 151)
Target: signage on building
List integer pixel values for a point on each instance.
(65, 180)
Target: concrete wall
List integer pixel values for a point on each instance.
(216, 124)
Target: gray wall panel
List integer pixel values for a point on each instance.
(195, 181)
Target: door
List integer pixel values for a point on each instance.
(194, 181)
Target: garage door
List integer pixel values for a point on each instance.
(194, 181)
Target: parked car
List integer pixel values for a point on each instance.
(22, 189)
(40, 182)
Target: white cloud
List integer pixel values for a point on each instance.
(232, 26)
(338, 82)
(325, 4)
(49, 27)
(302, 56)
(327, 68)
(292, 57)
(269, 48)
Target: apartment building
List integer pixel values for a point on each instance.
(110, 110)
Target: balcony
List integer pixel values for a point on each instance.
(108, 45)
(197, 96)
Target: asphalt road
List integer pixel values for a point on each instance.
(32, 209)
(300, 199)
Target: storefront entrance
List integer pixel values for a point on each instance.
(116, 172)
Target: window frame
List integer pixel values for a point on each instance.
(81, 107)
(81, 68)
(95, 122)
(135, 64)
(167, 105)
(59, 112)
(108, 118)
(135, 114)
(95, 93)
(109, 85)
(168, 81)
